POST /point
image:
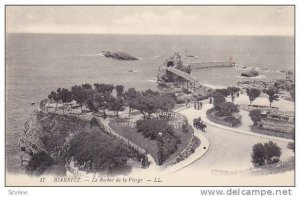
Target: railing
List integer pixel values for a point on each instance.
(182, 154)
(106, 129)
(182, 120)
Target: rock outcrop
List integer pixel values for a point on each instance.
(119, 55)
(48, 133)
(258, 84)
(250, 73)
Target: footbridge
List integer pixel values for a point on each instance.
(191, 81)
(184, 75)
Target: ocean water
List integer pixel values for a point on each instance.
(39, 63)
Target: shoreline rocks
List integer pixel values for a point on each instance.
(250, 73)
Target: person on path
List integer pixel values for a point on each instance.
(186, 103)
(195, 105)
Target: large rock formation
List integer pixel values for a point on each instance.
(119, 55)
(174, 61)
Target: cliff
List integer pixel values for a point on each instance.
(48, 133)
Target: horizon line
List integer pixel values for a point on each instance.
(137, 34)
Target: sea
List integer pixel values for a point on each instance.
(36, 64)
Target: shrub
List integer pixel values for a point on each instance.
(228, 108)
(255, 116)
(39, 163)
(151, 127)
(272, 152)
(234, 121)
(267, 153)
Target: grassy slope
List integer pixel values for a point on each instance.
(150, 145)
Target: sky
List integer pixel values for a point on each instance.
(167, 20)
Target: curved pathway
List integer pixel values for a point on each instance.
(229, 148)
(199, 151)
(243, 129)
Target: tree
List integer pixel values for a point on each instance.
(273, 95)
(104, 88)
(54, 96)
(147, 102)
(86, 86)
(120, 90)
(130, 96)
(117, 105)
(97, 151)
(255, 116)
(166, 102)
(225, 92)
(267, 153)
(103, 101)
(39, 163)
(232, 90)
(91, 105)
(79, 94)
(252, 93)
(66, 97)
(218, 99)
(147, 105)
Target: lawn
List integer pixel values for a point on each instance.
(151, 145)
(132, 135)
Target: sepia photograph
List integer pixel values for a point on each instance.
(150, 95)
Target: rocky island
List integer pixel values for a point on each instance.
(119, 55)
